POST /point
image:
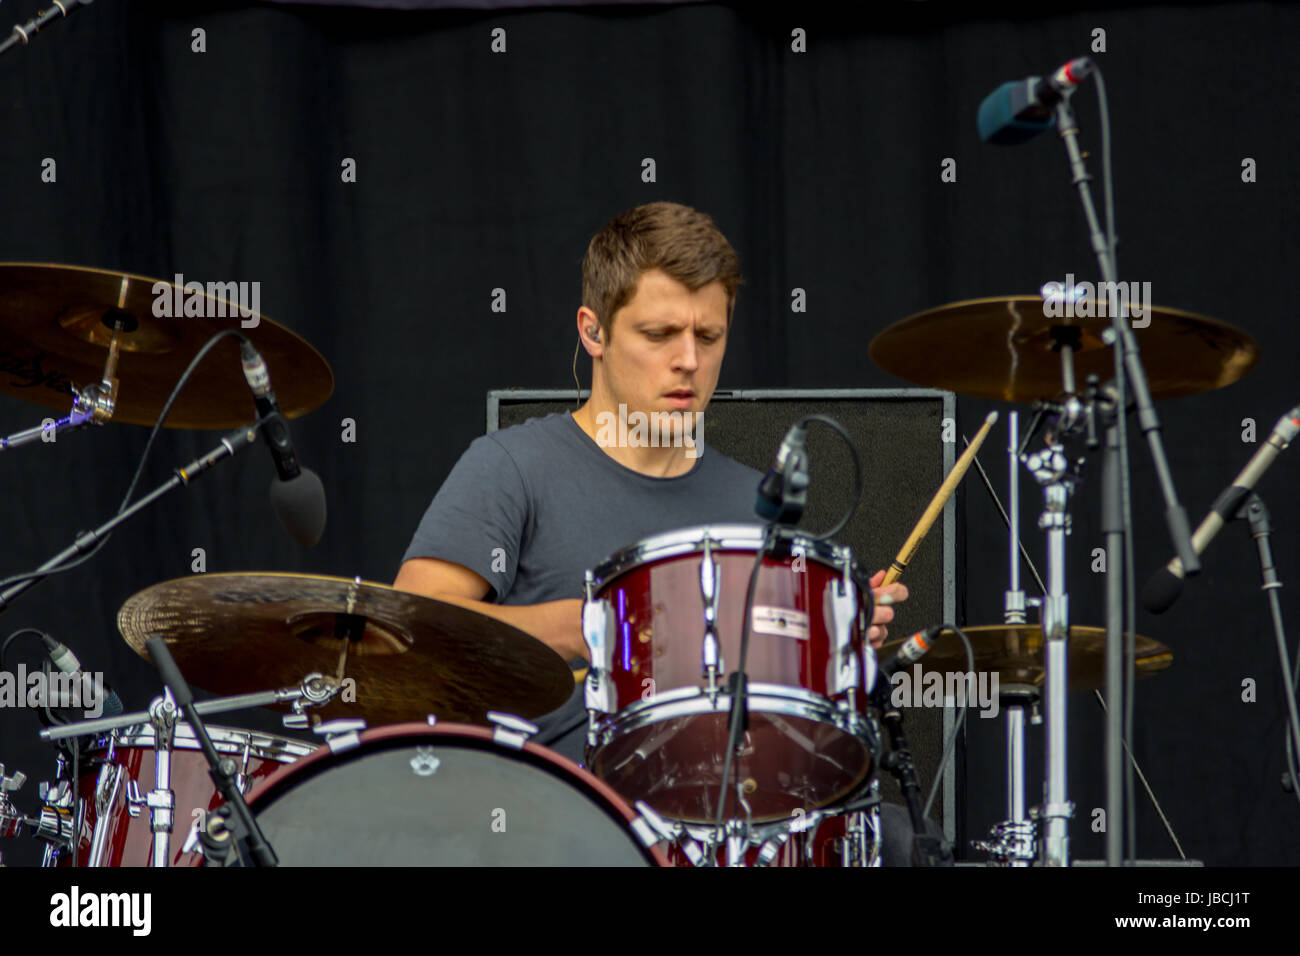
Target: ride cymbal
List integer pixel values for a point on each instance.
(1006, 348)
(56, 323)
(1015, 653)
(409, 655)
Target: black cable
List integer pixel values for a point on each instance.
(4, 646)
(171, 400)
(857, 475)
(144, 457)
(738, 688)
(951, 742)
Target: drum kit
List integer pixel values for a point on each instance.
(422, 707)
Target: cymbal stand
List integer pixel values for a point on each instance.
(93, 405)
(1057, 475)
(314, 690)
(1013, 841)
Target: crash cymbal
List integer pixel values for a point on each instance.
(1003, 348)
(53, 337)
(1015, 652)
(238, 633)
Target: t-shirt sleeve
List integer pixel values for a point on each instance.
(478, 516)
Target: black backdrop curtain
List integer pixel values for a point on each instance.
(479, 170)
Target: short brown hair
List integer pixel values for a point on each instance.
(683, 242)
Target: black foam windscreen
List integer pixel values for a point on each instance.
(299, 503)
(900, 439)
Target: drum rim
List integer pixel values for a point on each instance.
(777, 699)
(261, 744)
(756, 694)
(814, 707)
(727, 537)
(279, 783)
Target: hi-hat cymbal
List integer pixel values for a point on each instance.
(1015, 653)
(1004, 348)
(245, 632)
(53, 337)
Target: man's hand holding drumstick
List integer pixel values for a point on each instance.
(883, 612)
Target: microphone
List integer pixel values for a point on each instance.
(783, 492)
(1163, 587)
(298, 495)
(911, 651)
(62, 658)
(1018, 111)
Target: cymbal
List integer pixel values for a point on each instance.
(1015, 652)
(244, 632)
(1002, 348)
(53, 337)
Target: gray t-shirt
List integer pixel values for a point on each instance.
(530, 508)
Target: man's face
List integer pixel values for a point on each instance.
(665, 350)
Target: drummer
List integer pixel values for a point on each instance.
(528, 509)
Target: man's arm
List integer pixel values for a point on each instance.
(557, 624)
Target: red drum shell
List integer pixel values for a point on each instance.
(119, 839)
(666, 741)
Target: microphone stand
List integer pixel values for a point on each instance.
(82, 414)
(1129, 374)
(1256, 515)
(927, 850)
(793, 498)
(239, 823)
(230, 446)
(58, 8)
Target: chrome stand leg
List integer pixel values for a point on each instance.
(1050, 468)
(1011, 842)
(161, 801)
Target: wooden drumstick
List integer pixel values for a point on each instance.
(899, 564)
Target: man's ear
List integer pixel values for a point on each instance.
(589, 332)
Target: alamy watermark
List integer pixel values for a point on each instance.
(216, 300)
(638, 429)
(932, 689)
(133, 911)
(83, 691)
(1087, 300)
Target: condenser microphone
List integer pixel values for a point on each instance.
(1018, 111)
(66, 662)
(783, 492)
(1163, 587)
(297, 494)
